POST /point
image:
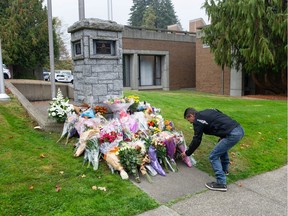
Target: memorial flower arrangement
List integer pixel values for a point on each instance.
(100, 109)
(117, 104)
(134, 107)
(60, 108)
(108, 137)
(130, 159)
(168, 125)
(142, 142)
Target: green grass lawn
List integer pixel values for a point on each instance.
(33, 167)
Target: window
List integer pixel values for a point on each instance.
(149, 70)
(77, 48)
(104, 47)
(126, 71)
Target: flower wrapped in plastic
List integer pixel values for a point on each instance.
(164, 144)
(84, 124)
(92, 153)
(155, 124)
(128, 122)
(170, 152)
(84, 137)
(69, 127)
(152, 153)
(181, 147)
(109, 139)
(168, 125)
(113, 161)
(130, 160)
(133, 107)
(60, 107)
(116, 104)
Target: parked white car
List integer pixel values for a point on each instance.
(6, 72)
(64, 76)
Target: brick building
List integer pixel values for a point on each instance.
(173, 59)
(144, 59)
(158, 59)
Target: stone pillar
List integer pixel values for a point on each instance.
(97, 57)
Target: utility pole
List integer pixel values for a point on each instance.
(51, 50)
(3, 95)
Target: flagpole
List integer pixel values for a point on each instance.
(3, 95)
(51, 50)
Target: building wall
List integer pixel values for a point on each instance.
(209, 75)
(195, 24)
(181, 49)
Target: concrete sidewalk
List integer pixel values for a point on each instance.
(265, 194)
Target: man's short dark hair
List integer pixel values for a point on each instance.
(189, 111)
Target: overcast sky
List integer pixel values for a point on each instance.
(67, 10)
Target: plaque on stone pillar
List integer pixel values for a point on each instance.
(103, 47)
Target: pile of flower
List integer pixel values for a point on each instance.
(60, 108)
(131, 143)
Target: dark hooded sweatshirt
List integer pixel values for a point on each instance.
(211, 122)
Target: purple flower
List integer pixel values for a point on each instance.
(154, 162)
(170, 148)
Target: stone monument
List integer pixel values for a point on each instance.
(97, 57)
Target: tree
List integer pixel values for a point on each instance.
(165, 14)
(137, 11)
(163, 9)
(149, 18)
(251, 34)
(25, 37)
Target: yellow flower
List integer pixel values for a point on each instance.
(135, 98)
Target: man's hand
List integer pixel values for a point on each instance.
(183, 155)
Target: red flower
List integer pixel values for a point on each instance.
(108, 137)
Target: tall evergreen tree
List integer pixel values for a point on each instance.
(137, 12)
(251, 34)
(164, 10)
(165, 13)
(149, 18)
(25, 37)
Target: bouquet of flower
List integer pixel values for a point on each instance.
(91, 154)
(171, 150)
(166, 149)
(100, 109)
(84, 137)
(60, 107)
(168, 125)
(113, 161)
(130, 160)
(69, 127)
(108, 137)
(134, 107)
(152, 153)
(181, 147)
(161, 152)
(116, 104)
(153, 125)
